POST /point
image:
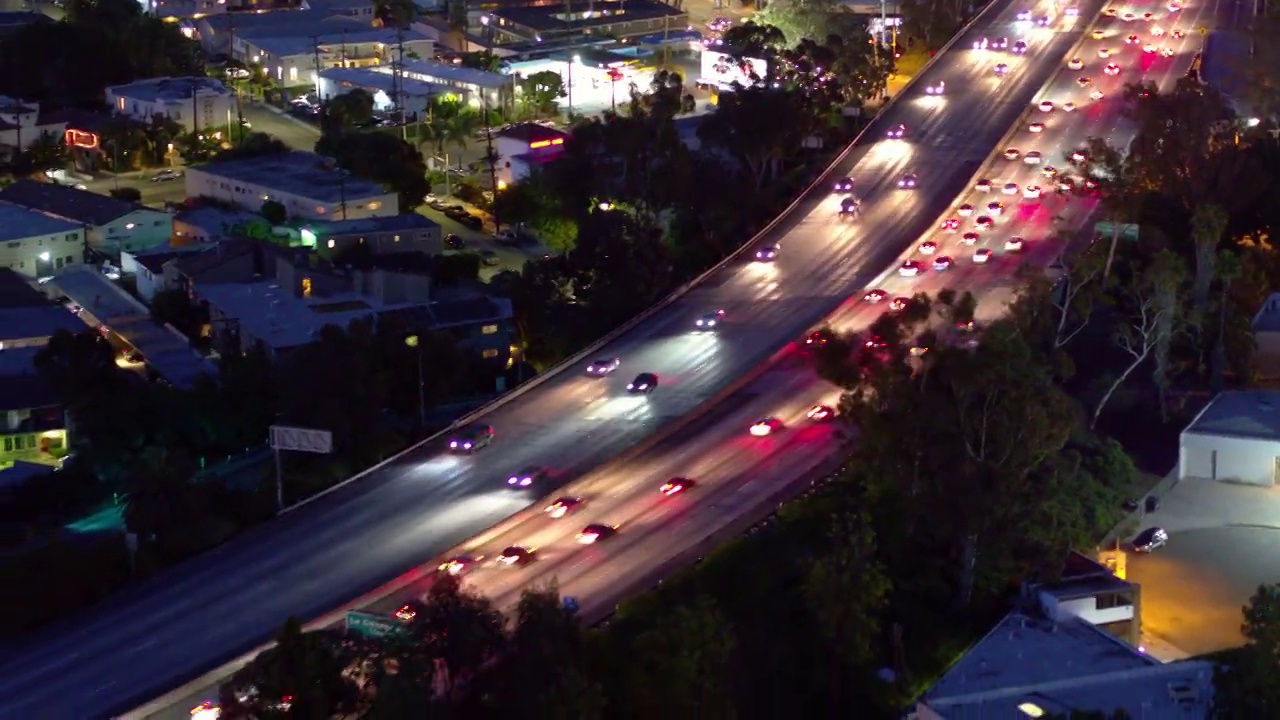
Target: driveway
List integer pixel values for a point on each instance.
(1224, 541)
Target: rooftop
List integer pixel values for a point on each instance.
(391, 223)
(81, 206)
(1268, 317)
(1065, 667)
(300, 173)
(269, 313)
(288, 43)
(288, 23)
(1253, 414)
(532, 132)
(583, 16)
(16, 292)
(213, 255)
(455, 74)
(215, 219)
(26, 323)
(18, 223)
(23, 392)
(378, 79)
(167, 89)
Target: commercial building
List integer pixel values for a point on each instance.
(22, 125)
(167, 352)
(292, 59)
(217, 32)
(521, 148)
(110, 226)
(195, 103)
(477, 88)
(618, 20)
(389, 93)
(412, 233)
(309, 186)
(1032, 667)
(1235, 437)
(34, 244)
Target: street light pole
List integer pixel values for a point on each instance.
(413, 342)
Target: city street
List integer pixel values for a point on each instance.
(1224, 541)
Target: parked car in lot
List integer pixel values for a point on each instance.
(489, 257)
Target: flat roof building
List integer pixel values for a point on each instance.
(195, 103)
(1029, 667)
(109, 225)
(310, 186)
(410, 233)
(389, 93)
(1235, 437)
(632, 18)
(36, 244)
(476, 87)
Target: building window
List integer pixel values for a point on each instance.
(489, 329)
(376, 204)
(306, 287)
(14, 245)
(8, 444)
(489, 354)
(332, 243)
(397, 238)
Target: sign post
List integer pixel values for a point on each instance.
(296, 439)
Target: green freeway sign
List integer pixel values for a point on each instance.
(373, 626)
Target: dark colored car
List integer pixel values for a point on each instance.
(1150, 539)
(471, 438)
(643, 384)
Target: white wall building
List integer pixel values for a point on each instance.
(521, 148)
(193, 102)
(21, 125)
(308, 185)
(34, 244)
(110, 225)
(415, 95)
(291, 59)
(1235, 437)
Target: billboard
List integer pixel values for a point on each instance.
(724, 70)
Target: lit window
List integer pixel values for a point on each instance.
(489, 329)
(489, 354)
(1031, 710)
(129, 226)
(375, 204)
(396, 238)
(306, 287)
(332, 243)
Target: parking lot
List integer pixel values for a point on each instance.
(1224, 541)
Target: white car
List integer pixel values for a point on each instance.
(1046, 106)
(1104, 53)
(603, 366)
(984, 223)
(1032, 158)
(1157, 31)
(1036, 127)
(965, 210)
(942, 263)
(1013, 244)
(951, 225)
(983, 185)
(939, 89)
(910, 268)
(1012, 154)
(982, 256)
(970, 238)
(896, 132)
(1001, 70)
(1031, 192)
(1010, 189)
(1166, 52)
(1069, 107)
(995, 207)
(1096, 95)
(1112, 69)
(1020, 47)
(1149, 49)
(928, 247)
(1075, 63)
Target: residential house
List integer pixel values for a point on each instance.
(195, 103)
(224, 34)
(22, 125)
(202, 223)
(148, 268)
(110, 226)
(308, 185)
(412, 233)
(35, 244)
(389, 92)
(521, 148)
(238, 260)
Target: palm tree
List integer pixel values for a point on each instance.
(161, 498)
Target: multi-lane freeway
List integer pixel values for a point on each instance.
(426, 502)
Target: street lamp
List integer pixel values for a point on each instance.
(413, 342)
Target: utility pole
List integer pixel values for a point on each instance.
(235, 81)
(397, 78)
(492, 158)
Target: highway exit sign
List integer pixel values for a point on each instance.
(373, 626)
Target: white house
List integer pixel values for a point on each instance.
(34, 244)
(110, 225)
(415, 96)
(195, 103)
(521, 148)
(1235, 437)
(21, 125)
(309, 186)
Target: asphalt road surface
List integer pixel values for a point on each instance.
(223, 604)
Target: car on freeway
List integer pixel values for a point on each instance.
(563, 506)
(1104, 53)
(1001, 70)
(1157, 31)
(928, 247)
(970, 238)
(1032, 158)
(596, 532)
(768, 253)
(1049, 171)
(983, 185)
(471, 438)
(1012, 154)
(907, 182)
(1112, 69)
(603, 366)
(766, 426)
(1024, 16)
(820, 413)
(1020, 47)
(1014, 244)
(942, 263)
(675, 486)
(896, 132)
(917, 351)
(1098, 35)
(965, 210)
(1045, 106)
(995, 207)
(984, 222)
(1132, 40)
(1149, 17)
(1075, 63)
(1044, 21)
(516, 555)
(459, 564)
(982, 256)
(709, 321)
(844, 185)
(899, 304)
(1068, 107)
(1110, 12)
(527, 477)
(939, 88)
(1031, 192)
(644, 384)
(1084, 81)
(910, 268)
(1178, 34)
(1096, 95)
(1173, 7)
(1128, 17)
(406, 613)
(1150, 49)
(849, 207)
(1150, 539)
(817, 338)
(1166, 52)
(1036, 127)
(874, 296)
(1010, 188)
(166, 175)
(950, 225)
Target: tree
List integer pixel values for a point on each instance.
(684, 667)
(382, 158)
(162, 504)
(128, 194)
(540, 91)
(255, 144)
(395, 13)
(760, 127)
(274, 212)
(461, 630)
(302, 669)
(349, 110)
(1246, 683)
(48, 151)
(618, 267)
(77, 365)
(1115, 181)
(1207, 226)
(1150, 307)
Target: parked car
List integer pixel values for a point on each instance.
(454, 242)
(489, 257)
(1150, 539)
